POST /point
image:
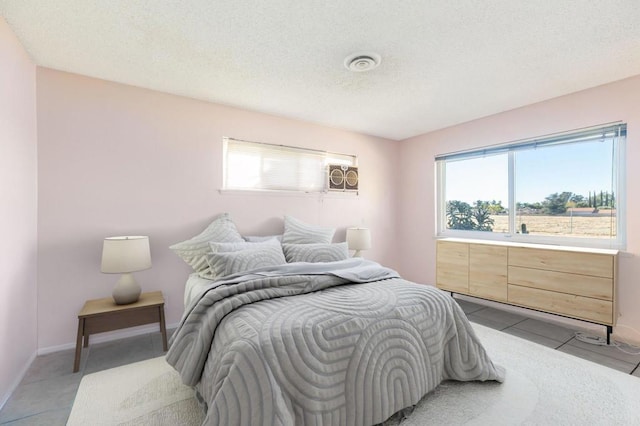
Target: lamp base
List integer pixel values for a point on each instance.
(127, 290)
(358, 253)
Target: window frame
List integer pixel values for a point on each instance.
(305, 153)
(619, 162)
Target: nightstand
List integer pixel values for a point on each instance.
(100, 315)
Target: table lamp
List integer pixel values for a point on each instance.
(358, 239)
(124, 255)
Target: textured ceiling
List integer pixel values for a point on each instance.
(443, 62)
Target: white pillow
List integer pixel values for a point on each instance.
(315, 252)
(222, 264)
(297, 232)
(194, 250)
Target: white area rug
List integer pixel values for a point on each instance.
(543, 387)
(144, 393)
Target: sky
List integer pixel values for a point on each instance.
(576, 168)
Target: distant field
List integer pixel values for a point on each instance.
(579, 226)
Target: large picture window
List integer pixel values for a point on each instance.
(262, 166)
(559, 189)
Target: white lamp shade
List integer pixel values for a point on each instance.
(358, 238)
(125, 254)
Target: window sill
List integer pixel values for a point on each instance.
(278, 193)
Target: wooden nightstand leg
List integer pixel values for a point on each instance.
(163, 328)
(76, 361)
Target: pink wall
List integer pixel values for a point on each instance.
(603, 104)
(18, 208)
(115, 159)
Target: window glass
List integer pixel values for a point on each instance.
(558, 189)
(566, 190)
(475, 190)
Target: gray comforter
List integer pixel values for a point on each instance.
(342, 343)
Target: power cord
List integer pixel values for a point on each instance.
(590, 338)
(601, 341)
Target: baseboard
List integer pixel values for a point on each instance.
(17, 381)
(98, 338)
(108, 337)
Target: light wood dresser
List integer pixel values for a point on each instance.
(578, 283)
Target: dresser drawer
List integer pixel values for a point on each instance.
(562, 282)
(580, 307)
(599, 265)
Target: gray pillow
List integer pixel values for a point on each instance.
(242, 245)
(222, 264)
(315, 252)
(297, 232)
(194, 250)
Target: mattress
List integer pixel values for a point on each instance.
(193, 287)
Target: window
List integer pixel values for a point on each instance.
(560, 189)
(262, 166)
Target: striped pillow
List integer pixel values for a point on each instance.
(297, 232)
(194, 250)
(222, 264)
(315, 252)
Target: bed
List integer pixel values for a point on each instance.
(338, 342)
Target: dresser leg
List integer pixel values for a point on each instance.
(609, 331)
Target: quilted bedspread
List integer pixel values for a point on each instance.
(348, 343)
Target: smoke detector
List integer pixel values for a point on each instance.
(360, 62)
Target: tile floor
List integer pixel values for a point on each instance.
(46, 394)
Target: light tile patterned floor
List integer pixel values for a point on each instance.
(45, 395)
(553, 336)
(47, 391)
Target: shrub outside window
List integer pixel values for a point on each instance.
(558, 189)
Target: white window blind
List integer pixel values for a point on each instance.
(600, 133)
(262, 166)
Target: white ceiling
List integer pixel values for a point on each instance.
(443, 62)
